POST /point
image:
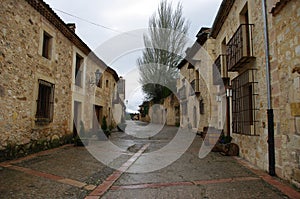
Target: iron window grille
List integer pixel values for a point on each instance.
(45, 102)
(243, 104)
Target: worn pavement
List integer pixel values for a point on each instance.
(121, 168)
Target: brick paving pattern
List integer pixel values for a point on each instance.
(71, 172)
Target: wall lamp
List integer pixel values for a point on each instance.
(228, 92)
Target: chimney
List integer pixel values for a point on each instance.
(72, 26)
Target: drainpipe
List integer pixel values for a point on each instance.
(270, 114)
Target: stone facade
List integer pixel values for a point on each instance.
(284, 23)
(118, 102)
(94, 99)
(167, 113)
(245, 76)
(37, 72)
(144, 111)
(195, 88)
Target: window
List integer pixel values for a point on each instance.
(201, 106)
(78, 70)
(97, 116)
(243, 104)
(44, 111)
(99, 83)
(47, 45)
(107, 83)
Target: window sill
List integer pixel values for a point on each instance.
(243, 134)
(42, 121)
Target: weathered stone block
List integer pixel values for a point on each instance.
(2, 91)
(295, 109)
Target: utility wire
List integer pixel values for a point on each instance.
(102, 26)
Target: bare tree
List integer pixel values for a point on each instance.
(164, 45)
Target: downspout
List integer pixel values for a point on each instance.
(270, 114)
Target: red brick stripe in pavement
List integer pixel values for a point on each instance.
(287, 190)
(110, 180)
(75, 183)
(36, 173)
(28, 157)
(107, 184)
(60, 179)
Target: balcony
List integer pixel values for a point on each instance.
(219, 70)
(195, 87)
(240, 48)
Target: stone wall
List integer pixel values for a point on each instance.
(167, 112)
(23, 63)
(285, 56)
(101, 95)
(202, 72)
(249, 149)
(284, 49)
(171, 105)
(21, 66)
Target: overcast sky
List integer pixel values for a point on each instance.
(119, 17)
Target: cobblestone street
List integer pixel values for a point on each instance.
(72, 172)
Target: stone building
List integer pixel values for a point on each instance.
(47, 74)
(118, 102)
(144, 111)
(167, 112)
(239, 39)
(195, 88)
(284, 31)
(238, 75)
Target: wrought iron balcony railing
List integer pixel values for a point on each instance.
(240, 47)
(219, 69)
